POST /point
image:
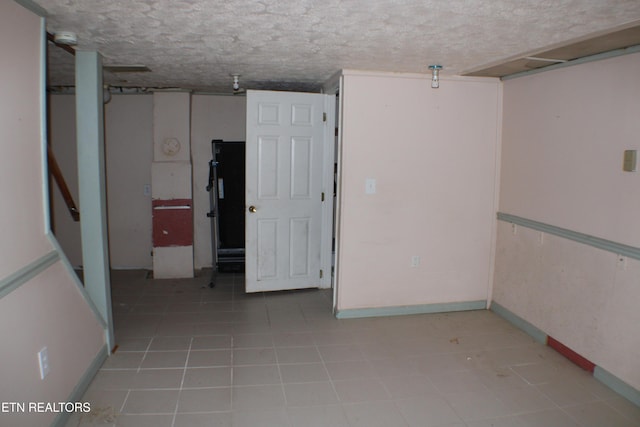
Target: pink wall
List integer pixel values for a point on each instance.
(47, 307)
(564, 137)
(433, 155)
(563, 140)
(22, 212)
(47, 311)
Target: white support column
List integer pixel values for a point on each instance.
(171, 186)
(92, 188)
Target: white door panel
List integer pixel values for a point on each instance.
(284, 183)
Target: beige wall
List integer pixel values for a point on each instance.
(564, 136)
(129, 145)
(129, 151)
(45, 308)
(433, 155)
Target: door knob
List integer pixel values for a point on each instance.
(252, 209)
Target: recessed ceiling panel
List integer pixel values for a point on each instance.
(585, 47)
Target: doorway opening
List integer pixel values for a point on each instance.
(272, 196)
(226, 187)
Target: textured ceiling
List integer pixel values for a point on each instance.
(300, 44)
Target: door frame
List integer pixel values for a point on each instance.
(326, 231)
(335, 86)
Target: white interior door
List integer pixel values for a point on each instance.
(286, 135)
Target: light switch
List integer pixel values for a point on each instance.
(370, 186)
(630, 160)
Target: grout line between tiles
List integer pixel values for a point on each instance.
(145, 355)
(126, 398)
(184, 374)
(324, 365)
(231, 373)
(284, 394)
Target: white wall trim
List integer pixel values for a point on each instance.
(496, 196)
(617, 385)
(33, 269)
(596, 242)
(517, 321)
(338, 198)
(44, 155)
(446, 307)
(328, 152)
(28, 272)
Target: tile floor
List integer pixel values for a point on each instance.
(190, 356)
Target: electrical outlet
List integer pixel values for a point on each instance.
(146, 190)
(415, 261)
(43, 361)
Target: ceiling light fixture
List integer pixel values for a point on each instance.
(237, 90)
(435, 75)
(236, 82)
(65, 38)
